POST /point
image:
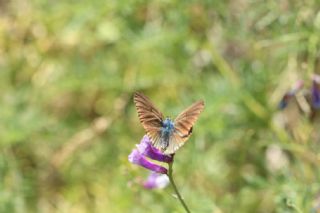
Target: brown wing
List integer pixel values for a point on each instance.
(185, 120)
(150, 117)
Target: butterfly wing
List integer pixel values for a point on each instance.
(183, 126)
(150, 117)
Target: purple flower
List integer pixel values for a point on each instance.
(137, 158)
(290, 94)
(146, 149)
(156, 181)
(315, 92)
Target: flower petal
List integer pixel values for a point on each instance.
(146, 149)
(315, 92)
(156, 181)
(137, 158)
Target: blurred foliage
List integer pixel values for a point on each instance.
(68, 123)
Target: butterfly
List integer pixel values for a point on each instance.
(166, 135)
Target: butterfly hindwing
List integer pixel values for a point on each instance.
(174, 144)
(150, 117)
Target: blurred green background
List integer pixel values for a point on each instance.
(68, 70)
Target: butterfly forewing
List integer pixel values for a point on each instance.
(150, 117)
(185, 120)
(183, 126)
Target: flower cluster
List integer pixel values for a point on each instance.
(160, 176)
(288, 96)
(312, 95)
(142, 155)
(144, 151)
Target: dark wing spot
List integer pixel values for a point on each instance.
(189, 133)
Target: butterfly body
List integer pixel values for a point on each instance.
(167, 130)
(166, 134)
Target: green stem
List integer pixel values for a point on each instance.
(176, 190)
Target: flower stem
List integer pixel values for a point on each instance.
(175, 188)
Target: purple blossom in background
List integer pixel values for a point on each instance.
(290, 94)
(145, 149)
(156, 181)
(315, 92)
